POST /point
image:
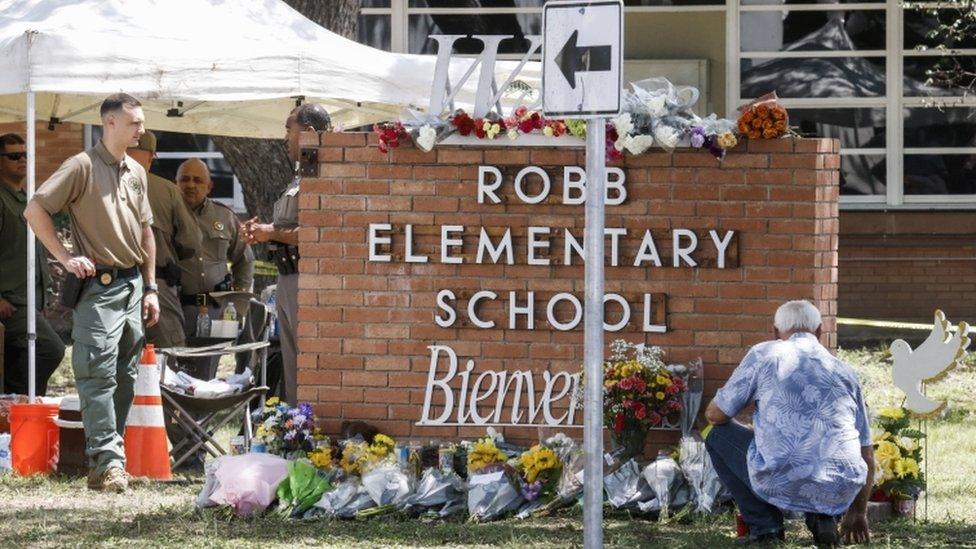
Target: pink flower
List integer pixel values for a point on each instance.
(640, 411)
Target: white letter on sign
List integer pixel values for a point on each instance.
(486, 190)
(546, 185)
(473, 308)
(616, 180)
(442, 383)
(684, 252)
(409, 256)
(375, 240)
(442, 297)
(574, 179)
(721, 245)
(447, 241)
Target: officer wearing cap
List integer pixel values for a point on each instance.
(13, 279)
(177, 237)
(282, 234)
(221, 243)
(104, 193)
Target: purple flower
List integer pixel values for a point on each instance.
(306, 409)
(698, 137)
(532, 491)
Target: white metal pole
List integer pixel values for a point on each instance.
(593, 335)
(31, 258)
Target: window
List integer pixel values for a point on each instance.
(173, 148)
(862, 72)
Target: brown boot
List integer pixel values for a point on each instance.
(112, 480)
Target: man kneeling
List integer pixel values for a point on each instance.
(809, 449)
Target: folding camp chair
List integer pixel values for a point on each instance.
(200, 417)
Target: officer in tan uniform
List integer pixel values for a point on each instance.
(282, 234)
(177, 237)
(104, 193)
(221, 243)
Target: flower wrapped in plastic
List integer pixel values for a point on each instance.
(438, 491)
(492, 483)
(539, 470)
(426, 130)
(764, 118)
(303, 488)
(696, 465)
(897, 456)
(664, 477)
(347, 499)
(387, 484)
(248, 482)
(359, 457)
(286, 431)
(626, 488)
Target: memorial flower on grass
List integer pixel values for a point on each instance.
(539, 468)
(897, 456)
(284, 430)
(359, 456)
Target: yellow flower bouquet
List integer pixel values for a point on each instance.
(360, 457)
(539, 468)
(897, 456)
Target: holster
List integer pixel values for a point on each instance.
(284, 257)
(170, 273)
(71, 290)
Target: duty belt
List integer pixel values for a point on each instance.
(107, 275)
(285, 258)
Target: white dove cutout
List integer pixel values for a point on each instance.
(932, 360)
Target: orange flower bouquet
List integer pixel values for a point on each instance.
(764, 118)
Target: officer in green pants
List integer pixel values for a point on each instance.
(105, 194)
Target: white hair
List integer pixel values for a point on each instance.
(799, 315)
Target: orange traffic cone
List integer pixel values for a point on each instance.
(146, 445)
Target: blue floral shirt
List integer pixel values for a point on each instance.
(810, 424)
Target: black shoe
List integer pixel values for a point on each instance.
(824, 529)
(769, 538)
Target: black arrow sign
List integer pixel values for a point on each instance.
(573, 59)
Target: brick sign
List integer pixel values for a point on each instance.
(442, 292)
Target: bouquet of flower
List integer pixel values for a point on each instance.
(764, 118)
(286, 431)
(389, 135)
(492, 483)
(897, 455)
(639, 392)
(360, 457)
(539, 468)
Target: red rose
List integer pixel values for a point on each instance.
(526, 125)
(640, 412)
(618, 424)
(520, 112)
(626, 384)
(655, 418)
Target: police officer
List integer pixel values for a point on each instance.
(282, 233)
(177, 237)
(104, 193)
(49, 349)
(221, 242)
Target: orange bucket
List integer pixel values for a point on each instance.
(33, 438)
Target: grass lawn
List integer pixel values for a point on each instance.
(51, 512)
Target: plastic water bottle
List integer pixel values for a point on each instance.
(230, 312)
(272, 304)
(203, 323)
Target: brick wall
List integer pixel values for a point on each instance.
(365, 326)
(53, 146)
(904, 265)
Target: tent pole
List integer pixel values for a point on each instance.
(31, 256)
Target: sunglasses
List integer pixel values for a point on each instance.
(14, 156)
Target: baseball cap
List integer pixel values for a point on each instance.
(147, 142)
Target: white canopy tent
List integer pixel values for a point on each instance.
(225, 67)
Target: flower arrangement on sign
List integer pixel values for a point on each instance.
(359, 457)
(640, 392)
(897, 457)
(539, 468)
(284, 430)
(655, 112)
(764, 118)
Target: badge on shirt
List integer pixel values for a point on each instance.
(218, 226)
(134, 183)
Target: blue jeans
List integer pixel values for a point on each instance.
(728, 445)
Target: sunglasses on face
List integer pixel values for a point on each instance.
(14, 156)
